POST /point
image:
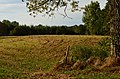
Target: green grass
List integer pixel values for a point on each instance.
(23, 55)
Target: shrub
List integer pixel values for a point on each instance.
(85, 52)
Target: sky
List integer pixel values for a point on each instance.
(15, 10)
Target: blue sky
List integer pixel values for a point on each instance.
(15, 10)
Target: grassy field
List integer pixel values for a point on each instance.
(22, 56)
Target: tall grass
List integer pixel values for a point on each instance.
(101, 50)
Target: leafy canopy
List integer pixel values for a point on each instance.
(92, 17)
(50, 6)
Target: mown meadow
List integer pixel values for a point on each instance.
(26, 57)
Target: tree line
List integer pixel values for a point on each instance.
(13, 28)
(95, 23)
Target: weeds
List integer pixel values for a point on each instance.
(85, 52)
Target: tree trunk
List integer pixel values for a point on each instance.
(115, 27)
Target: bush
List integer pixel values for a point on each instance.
(85, 52)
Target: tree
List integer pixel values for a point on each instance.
(7, 22)
(20, 30)
(53, 30)
(40, 29)
(79, 30)
(15, 23)
(10, 25)
(105, 18)
(61, 30)
(33, 30)
(3, 29)
(91, 18)
(115, 27)
(96, 19)
(50, 6)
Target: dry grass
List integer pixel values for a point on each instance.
(27, 54)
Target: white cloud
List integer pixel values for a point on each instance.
(10, 7)
(10, 1)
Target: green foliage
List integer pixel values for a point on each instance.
(91, 16)
(10, 25)
(85, 52)
(80, 52)
(20, 30)
(105, 18)
(102, 50)
(79, 29)
(95, 19)
(13, 28)
(105, 43)
(50, 6)
(3, 29)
